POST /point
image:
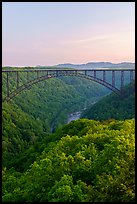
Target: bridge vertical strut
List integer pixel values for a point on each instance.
(7, 84)
(37, 74)
(113, 78)
(94, 73)
(122, 79)
(17, 74)
(27, 76)
(131, 75)
(104, 75)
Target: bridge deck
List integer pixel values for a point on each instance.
(82, 69)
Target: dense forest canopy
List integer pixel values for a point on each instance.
(89, 161)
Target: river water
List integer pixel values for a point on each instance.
(73, 116)
(76, 115)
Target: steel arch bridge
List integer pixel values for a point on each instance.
(20, 79)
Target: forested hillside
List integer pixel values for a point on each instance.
(85, 161)
(34, 113)
(114, 106)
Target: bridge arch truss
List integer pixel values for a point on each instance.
(20, 79)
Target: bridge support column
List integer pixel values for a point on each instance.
(57, 73)
(94, 73)
(122, 80)
(113, 78)
(7, 84)
(131, 76)
(104, 75)
(37, 74)
(85, 72)
(17, 74)
(27, 76)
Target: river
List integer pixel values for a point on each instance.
(73, 116)
(76, 115)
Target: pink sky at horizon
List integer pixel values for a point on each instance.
(104, 32)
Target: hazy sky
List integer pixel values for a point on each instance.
(49, 33)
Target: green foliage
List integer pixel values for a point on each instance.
(97, 164)
(19, 132)
(114, 106)
(34, 113)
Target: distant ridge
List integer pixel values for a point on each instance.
(99, 65)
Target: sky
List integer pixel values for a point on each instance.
(51, 33)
